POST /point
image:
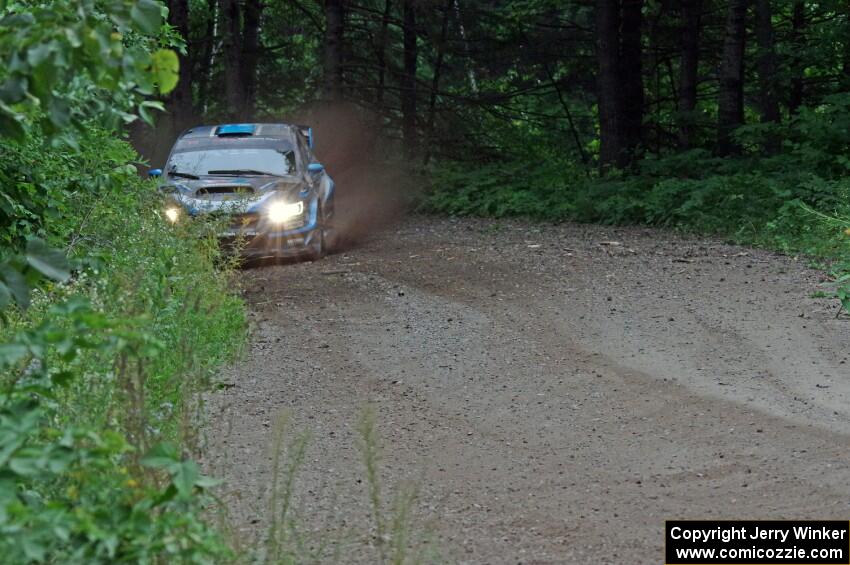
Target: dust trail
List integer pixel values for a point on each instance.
(373, 187)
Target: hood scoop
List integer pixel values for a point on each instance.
(229, 192)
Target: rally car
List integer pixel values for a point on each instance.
(263, 178)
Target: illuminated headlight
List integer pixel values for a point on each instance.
(280, 212)
(173, 214)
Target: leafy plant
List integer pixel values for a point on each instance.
(19, 273)
(392, 536)
(90, 395)
(64, 493)
(68, 61)
(86, 376)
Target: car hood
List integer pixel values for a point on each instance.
(234, 194)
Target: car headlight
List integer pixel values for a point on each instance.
(173, 214)
(280, 212)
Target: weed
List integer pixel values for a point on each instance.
(395, 539)
(283, 540)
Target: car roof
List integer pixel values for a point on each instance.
(257, 130)
(280, 137)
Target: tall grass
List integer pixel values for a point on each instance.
(392, 537)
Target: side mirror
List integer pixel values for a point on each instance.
(315, 168)
(155, 173)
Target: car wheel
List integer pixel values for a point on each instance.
(331, 237)
(318, 246)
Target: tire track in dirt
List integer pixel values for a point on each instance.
(540, 425)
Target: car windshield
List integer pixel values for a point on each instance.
(237, 161)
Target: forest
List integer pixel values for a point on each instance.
(721, 117)
(718, 116)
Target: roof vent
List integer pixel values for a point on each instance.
(235, 130)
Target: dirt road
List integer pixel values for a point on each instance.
(556, 392)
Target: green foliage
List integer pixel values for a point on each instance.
(65, 62)
(393, 536)
(100, 369)
(106, 366)
(19, 273)
(64, 495)
(165, 68)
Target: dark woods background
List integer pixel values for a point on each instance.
(606, 82)
(729, 116)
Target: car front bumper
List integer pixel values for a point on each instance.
(258, 238)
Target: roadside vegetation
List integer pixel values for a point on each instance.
(112, 321)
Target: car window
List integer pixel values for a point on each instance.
(257, 159)
(300, 147)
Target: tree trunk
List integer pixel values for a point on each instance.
(334, 34)
(382, 56)
(435, 81)
(798, 26)
(470, 69)
(250, 56)
(730, 111)
(231, 47)
(179, 103)
(844, 80)
(408, 80)
(688, 70)
(204, 66)
(767, 68)
(631, 75)
(608, 98)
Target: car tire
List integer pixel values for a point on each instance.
(318, 247)
(330, 233)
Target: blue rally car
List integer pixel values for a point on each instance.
(263, 177)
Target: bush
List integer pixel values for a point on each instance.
(103, 371)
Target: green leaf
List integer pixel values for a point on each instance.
(165, 67)
(60, 113)
(11, 353)
(185, 477)
(161, 455)
(5, 295)
(13, 89)
(50, 262)
(34, 549)
(11, 124)
(144, 112)
(147, 14)
(16, 284)
(207, 482)
(38, 53)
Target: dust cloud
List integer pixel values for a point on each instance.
(374, 187)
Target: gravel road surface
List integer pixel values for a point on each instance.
(554, 392)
